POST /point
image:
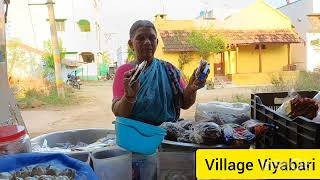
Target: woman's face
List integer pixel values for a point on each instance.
(144, 43)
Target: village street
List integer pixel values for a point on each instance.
(94, 111)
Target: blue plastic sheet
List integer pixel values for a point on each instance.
(15, 162)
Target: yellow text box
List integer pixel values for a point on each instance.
(258, 164)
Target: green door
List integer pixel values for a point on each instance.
(104, 69)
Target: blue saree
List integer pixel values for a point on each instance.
(160, 94)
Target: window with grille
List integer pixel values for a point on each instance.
(60, 24)
(87, 57)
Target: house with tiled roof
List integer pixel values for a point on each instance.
(259, 40)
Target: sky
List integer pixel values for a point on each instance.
(118, 15)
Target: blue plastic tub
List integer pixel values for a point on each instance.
(138, 137)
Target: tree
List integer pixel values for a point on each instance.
(21, 62)
(131, 55)
(184, 58)
(206, 43)
(105, 58)
(48, 61)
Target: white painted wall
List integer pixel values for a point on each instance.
(316, 6)
(313, 52)
(297, 12)
(89, 69)
(121, 56)
(29, 24)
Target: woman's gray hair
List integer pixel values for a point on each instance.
(141, 23)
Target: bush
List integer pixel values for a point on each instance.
(305, 81)
(308, 81)
(241, 98)
(44, 94)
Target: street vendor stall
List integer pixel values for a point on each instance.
(150, 140)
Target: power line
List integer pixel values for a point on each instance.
(163, 6)
(33, 31)
(74, 24)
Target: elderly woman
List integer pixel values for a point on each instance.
(160, 92)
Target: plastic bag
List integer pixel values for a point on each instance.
(67, 147)
(208, 133)
(173, 130)
(196, 138)
(285, 108)
(317, 97)
(298, 106)
(257, 127)
(234, 134)
(185, 137)
(222, 112)
(317, 118)
(186, 124)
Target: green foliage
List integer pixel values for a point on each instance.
(279, 83)
(241, 98)
(20, 60)
(48, 61)
(308, 81)
(131, 55)
(106, 58)
(84, 25)
(184, 58)
(315, 42)
(52, 98)
(206, 43)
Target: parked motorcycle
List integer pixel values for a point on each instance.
(74, 80)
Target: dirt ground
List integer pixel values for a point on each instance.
(94, 111)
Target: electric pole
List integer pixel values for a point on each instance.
(55, 48)
(4, 85)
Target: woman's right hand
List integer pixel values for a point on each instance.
(131, 91)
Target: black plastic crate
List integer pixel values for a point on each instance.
(290, 133)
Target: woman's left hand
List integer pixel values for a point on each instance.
(190, 92)
(194, 82)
